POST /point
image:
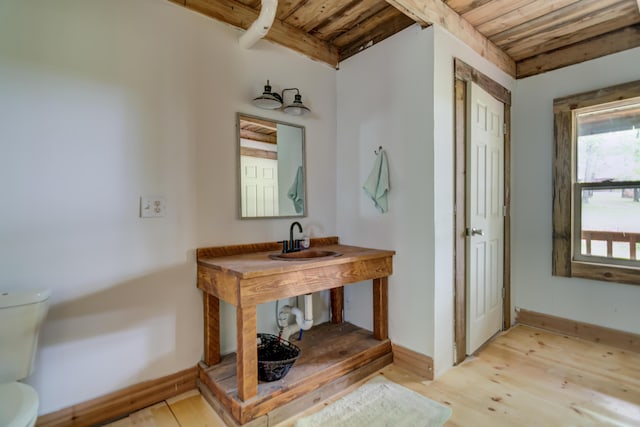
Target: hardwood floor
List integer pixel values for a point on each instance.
(524, 377)
(187, 409)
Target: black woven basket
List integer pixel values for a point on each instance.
(275, 357)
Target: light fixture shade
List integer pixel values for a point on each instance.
(296, 108)
(268, 100)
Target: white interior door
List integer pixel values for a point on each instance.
(259, 190)
(485, 216)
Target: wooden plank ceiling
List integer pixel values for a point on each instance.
(257, 129)
(522, 37)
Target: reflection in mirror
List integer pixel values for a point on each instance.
(272, 173)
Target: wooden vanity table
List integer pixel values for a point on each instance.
(245, 276)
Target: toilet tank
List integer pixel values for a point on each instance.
(21, 314)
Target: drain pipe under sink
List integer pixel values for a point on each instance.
(303, 321)
(260, 26)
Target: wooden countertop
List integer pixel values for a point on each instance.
(245, 276)
(257, 264)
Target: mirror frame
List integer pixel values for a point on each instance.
(305, 211)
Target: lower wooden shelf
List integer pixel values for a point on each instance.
(333, 356)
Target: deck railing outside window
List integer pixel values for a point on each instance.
(611, 244)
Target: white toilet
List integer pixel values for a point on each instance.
(21, 314)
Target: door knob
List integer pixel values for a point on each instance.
(475, 232)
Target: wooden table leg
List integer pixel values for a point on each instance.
(380, 308)
(337, 304)
(247, 352)
(211, 312)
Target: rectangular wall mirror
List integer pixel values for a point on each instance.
(271, 165)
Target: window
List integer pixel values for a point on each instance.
(596, 206)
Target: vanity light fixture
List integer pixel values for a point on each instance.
(297, 108)
(268, 100)
(273, 100)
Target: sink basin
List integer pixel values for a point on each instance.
(304, 255)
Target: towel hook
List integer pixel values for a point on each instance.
(378, 151)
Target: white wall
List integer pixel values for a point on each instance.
(102, 102)
(385, 98)
(533, 286)
(399, 94)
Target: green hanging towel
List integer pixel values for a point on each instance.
(377, 184)
(296, 192)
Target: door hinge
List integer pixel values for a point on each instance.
(504, 128)
(504, 293)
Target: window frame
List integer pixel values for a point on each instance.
(577, 227)
(564, 188)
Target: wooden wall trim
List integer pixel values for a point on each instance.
(460, 309)
(598, 96)
(412, 361)
(428, 12)
(506, 279)
(122, 402)
(465, 73)
(562, 193)
(587, 331)
(606, 273)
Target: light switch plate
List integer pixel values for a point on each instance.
(152, 207)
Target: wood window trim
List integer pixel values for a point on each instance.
(563, 172)
(464, 73)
